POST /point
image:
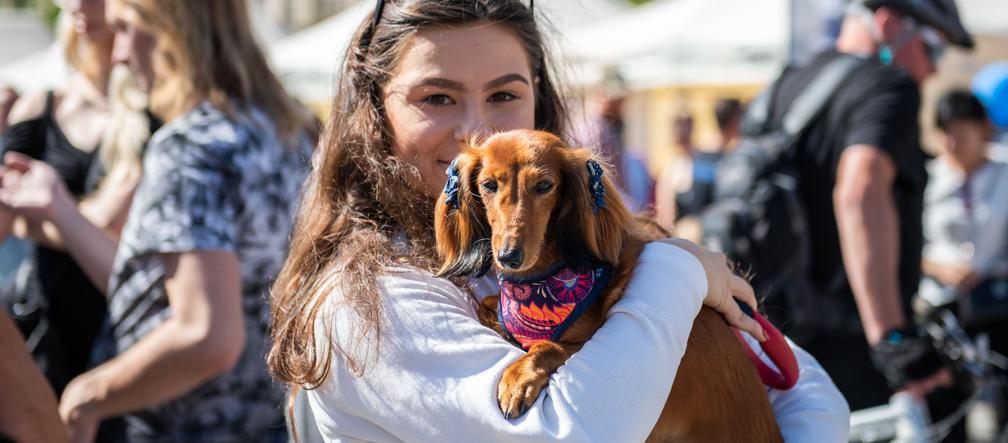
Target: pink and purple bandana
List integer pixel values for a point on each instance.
(537, 309)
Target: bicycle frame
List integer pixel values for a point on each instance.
(905, 419)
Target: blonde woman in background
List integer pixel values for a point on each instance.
(54, 304)
(205, 235)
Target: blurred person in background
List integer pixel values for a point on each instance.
(687, 186)
(54, 304)
(206, 233)
(965, 210)
(861, 178)
(677, 174)
(728, 114)
(605, 129)
(965, 256)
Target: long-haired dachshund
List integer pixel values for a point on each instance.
(550, 221)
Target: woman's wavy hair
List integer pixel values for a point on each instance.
(361, 211)
(206, 51)
(81, 54)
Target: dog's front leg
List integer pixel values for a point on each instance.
(522, 381)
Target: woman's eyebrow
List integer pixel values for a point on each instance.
(443, 83)
(505, 79)
(439, 82)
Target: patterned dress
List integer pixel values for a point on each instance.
(211, 182)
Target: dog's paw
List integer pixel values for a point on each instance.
(519, 388)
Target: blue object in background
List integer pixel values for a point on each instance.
(990, 85)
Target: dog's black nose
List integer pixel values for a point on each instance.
(511, 258)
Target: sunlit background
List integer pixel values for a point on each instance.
(674, 55)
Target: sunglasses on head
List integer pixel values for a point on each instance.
(934, 43)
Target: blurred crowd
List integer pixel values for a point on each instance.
(156, 191)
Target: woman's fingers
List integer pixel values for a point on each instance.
(746, 323)
(17, 161)
(741, 290)
(724, 287)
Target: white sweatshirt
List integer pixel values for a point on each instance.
(435, 377)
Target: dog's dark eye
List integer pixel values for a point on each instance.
(543, 187)
(490, 186)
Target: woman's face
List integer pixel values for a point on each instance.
(965, 141)
(133, 46)
(88, 17)
(452, 83)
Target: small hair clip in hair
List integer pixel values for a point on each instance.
(595, 185)
(451, 187)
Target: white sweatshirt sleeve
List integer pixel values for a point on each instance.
(814, 410)
(436, 374)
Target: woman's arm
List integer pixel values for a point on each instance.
(27, 403)
(203, 337)
(106, 209)
(32, 190)
(435, 376)
(6, 223)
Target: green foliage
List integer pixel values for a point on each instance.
(637, 2)
(50, 13)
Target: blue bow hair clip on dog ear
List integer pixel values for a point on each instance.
(451, 188)
(595, 185)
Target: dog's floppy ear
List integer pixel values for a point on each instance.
(461, 229)
(590, 221)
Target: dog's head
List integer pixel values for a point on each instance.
(522, 200)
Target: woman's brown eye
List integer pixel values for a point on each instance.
(490, 186)
(543, 186)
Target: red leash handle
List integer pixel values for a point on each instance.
(780, 353)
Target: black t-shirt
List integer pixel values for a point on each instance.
(75, 308)
(877, 105)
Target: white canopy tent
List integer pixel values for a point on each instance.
(988, 17)
(670, 42)
(307, 60)
(688, 41)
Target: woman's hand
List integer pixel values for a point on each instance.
(962, 278)
(78, 411)
(32, 189)
(724, 287)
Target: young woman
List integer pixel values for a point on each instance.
(60, 311)
(392, 353)
(206, 233)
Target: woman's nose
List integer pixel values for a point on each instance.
(120, 49)
(473, 125)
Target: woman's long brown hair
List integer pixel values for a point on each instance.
(360, 197)
(206, 51)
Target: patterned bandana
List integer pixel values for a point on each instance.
(542, 308)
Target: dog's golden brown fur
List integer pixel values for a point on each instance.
(526, 191)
